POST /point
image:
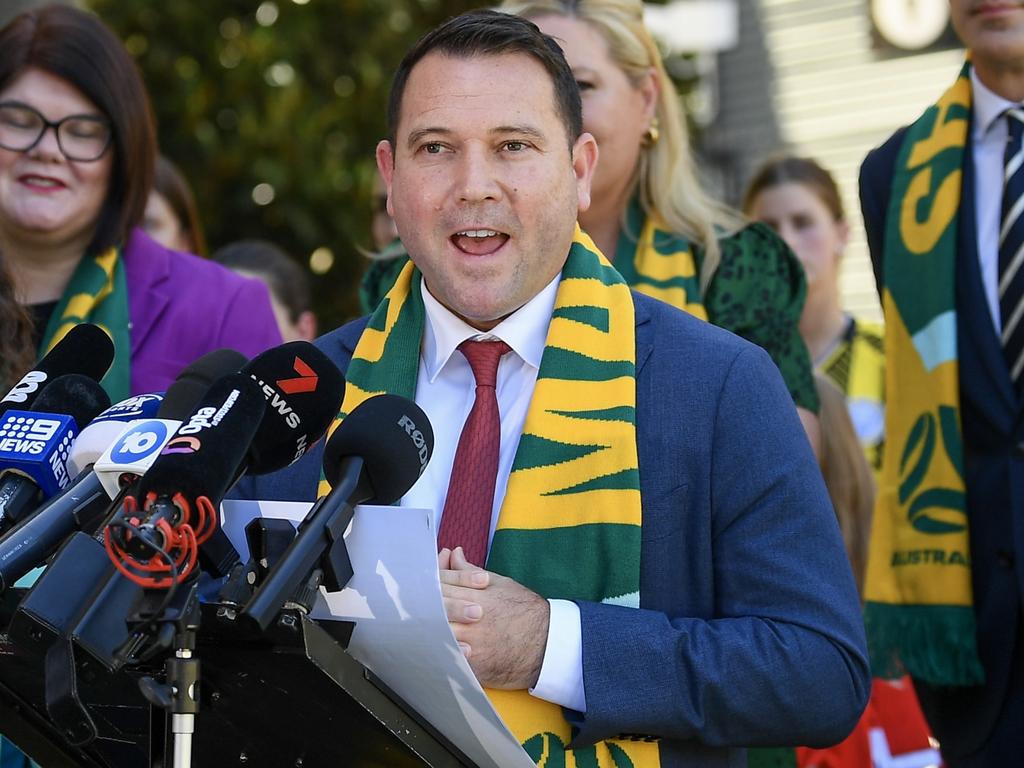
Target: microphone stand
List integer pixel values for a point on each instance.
(178, 695)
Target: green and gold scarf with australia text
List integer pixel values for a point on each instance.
(918, 598)
(569, 525)
(97, 293)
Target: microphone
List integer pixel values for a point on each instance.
(81, 578)
(85, 349)
(304, 390)
(35, 444)
(374, 456)
(81, 505)
(173, 509)
(134, 449)
(102, 431)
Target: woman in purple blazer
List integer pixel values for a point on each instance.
(77, 150)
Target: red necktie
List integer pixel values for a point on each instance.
(466, 520)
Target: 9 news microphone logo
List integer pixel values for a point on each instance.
(27, 435)
(38, 446)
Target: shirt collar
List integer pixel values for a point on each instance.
(989, 106)
(525, 330)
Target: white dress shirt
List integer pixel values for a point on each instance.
(446, 390)
(988, 140)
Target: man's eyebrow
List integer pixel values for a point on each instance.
(522, 130)
(415, 137)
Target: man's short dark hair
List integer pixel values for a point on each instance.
(490, 33)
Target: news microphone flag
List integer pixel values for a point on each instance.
(36, 443)
(304, 390)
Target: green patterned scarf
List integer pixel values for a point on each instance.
(97, 293)
(919, 613)
(658, 263)
(574, 491)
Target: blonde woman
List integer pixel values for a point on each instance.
(649, 214)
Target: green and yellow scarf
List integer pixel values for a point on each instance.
(569, 525)
(658, 263)
(918, 610)
(97, 293)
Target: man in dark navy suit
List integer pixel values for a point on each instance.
(977, 724)
(744, 625)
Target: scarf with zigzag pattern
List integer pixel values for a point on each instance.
(569, 525)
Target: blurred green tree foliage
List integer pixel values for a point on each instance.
(272, 109)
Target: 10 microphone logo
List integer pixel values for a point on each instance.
(139, 442)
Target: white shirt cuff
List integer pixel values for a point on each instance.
(561, 673)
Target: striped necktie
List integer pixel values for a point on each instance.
(1011, 248)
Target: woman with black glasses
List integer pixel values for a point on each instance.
(77, 150)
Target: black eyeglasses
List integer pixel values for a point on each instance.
(83, 138)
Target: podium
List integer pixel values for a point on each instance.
(292, 698)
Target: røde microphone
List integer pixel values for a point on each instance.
(85, 349)
(34, 445)
(375, 456)
(173, 509)
(304, 390)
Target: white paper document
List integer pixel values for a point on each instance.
(402, 633)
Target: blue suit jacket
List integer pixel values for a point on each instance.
(749, 631)
(964, 719)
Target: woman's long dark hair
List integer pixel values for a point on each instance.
(16, 351)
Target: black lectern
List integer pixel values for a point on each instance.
(293, 698)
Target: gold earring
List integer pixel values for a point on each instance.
(653, 133)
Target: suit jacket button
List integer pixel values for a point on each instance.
(1005, 558)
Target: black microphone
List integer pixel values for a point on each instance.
(35, 444)
(304, 390)
(79, 506)
(375, 456)
(85, 349)
(81, 581)
(173, 509)
(183, 396)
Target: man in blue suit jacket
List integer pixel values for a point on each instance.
(978, 725)
(748, 629)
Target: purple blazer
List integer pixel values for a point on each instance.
(182, 306)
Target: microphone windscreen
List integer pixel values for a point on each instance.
(94, 440)
(304, 390)
(75, 395)
(85, 349)
(184, 394)
(392, 436)
(204, 456)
